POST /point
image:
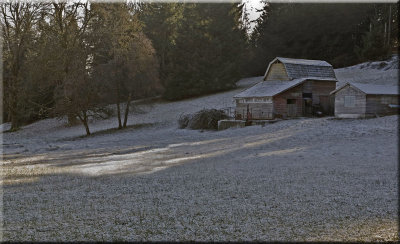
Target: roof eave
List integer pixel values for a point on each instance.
(347, 84)
(294, 85)
(269, 66)
(389, 94)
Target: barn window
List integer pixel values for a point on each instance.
(349, 101)
(291, 101)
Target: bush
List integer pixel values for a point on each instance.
(183, 121)
(206, 119)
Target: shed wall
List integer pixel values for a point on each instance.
(280, 102)
(320, 95)
(307, 86)
(379, 104)
(321, 88)
(350, 112)
(279, 108)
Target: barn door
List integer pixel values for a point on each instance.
(326, 103)
(291, 108)
(307, 106)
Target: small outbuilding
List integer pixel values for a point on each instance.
(356, 100)
(290, 88)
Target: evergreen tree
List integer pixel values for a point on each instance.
(310, 31)
(160, 24)
(380, 33)
(373, 46)
(209, 51)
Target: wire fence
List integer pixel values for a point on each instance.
(247, 115)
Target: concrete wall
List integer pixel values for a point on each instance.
(226, 124)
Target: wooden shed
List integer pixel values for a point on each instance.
(355, 100)
(290, 88)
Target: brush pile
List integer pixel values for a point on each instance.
(206, 119)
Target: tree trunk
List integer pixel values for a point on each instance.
(118, 107)
(14, 121)
(384, 36)
(128, 103)
(12, 110)
(390, 20)
(8, 116)
(119, 116)
(84, 121)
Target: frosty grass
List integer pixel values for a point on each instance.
(296, 180)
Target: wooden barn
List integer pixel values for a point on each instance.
(355, 100)
(290, 88)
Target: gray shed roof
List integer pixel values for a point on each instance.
(271, 88)
(301, 68)
(371, 89)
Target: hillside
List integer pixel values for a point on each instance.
(305, 179)
(379, 72)
(167, 113)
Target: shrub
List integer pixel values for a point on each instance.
(183, 121)
(206, 119)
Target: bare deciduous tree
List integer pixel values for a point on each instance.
(69, 28)
(130, 67)
(17, 20)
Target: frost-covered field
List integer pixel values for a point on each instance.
(378, 73)
(295, 180)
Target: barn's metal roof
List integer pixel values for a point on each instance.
(371, 89)
(274, 87)
(301, 68)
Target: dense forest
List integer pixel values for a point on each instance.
(72, 60)
(342, 34)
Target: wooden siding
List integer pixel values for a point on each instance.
(359, 107)
(321, 88)
(376, 107)
(280, 102)
(277, 71)
(279, 107)
(307, 86)
(320, 95)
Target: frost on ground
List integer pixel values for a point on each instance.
(378, 72)
(296, 180)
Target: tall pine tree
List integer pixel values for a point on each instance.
(310, 31)
(209, 50)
